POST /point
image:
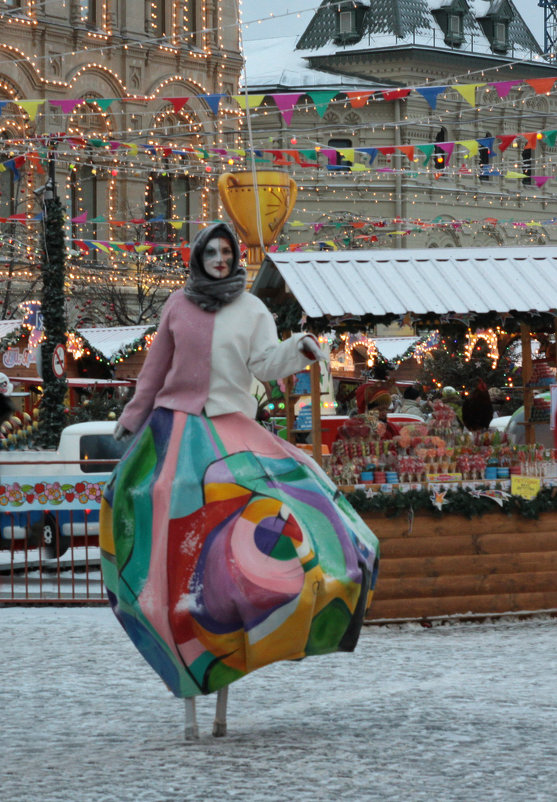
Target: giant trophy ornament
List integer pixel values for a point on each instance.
(276, 195)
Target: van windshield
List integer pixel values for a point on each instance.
(99, 446)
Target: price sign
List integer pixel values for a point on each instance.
(59, 361)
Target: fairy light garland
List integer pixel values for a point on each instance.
(490, 336)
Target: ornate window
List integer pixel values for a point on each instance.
(450, 19)
(496, 27)
(349, 21)
(89, 12)
(342, 163)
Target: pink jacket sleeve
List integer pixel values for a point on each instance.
(151, 377)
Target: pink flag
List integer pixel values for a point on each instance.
(66, 106)
(504, 87)
(286, 103)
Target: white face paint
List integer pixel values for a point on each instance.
(218, 257)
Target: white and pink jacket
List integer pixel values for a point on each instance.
(204, 361)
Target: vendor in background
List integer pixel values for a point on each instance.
(453, 399)
(412, 403)
(371, 421)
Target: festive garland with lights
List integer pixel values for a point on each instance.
(456, 502)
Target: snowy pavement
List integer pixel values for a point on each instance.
(465, 712)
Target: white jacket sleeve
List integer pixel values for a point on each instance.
(269, 358)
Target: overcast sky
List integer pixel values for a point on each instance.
(294, 24)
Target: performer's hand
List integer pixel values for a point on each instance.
(310, 349)
(121, 433)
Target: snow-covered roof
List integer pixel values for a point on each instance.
(455, 281)
(393, 347)
(396, 22)
(7, 326)
(108, 341)
(275, 64)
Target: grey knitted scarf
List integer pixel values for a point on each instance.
(205, 291)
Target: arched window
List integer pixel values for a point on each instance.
(484, 155)
(439, 155)
(527, 164)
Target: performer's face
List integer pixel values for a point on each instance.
(218, 258)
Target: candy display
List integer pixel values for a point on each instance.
(438, 450)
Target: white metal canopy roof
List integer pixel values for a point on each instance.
(442, 281)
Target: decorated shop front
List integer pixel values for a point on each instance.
(467, 520)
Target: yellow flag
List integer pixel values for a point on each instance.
(471, 145)
(347, 153)
(468, 92)
(30, 106)
(512, 174)
(177, 224)
(252, 101)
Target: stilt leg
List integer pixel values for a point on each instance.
(191, 731)
(219, 725)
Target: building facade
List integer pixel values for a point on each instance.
(442, 135)
(115, 99)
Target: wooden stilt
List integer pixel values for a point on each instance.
(191, 730)
(219, 724)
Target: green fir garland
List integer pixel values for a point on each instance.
(456, 502)
(52, 418)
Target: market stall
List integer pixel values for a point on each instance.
(434, 483)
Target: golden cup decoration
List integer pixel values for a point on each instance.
(276, 195)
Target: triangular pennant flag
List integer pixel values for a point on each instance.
(132, 147)
(357, 168)
(471, 146)
(387, 150)
(395, 94)
(408, 151)
(96, 143)
(504, 87)
(448, 147)
(66, 106)
(321, 100)
(540, 180)
(79, 243)
(98, 219)
(103, 102)
(514, 174)
(2, 104)
(101, 246)
(285, 104)
(81, 218)
(212, 101)
(30, 106)
(487, 142)
(505, 140)
(252, 101)
(468, 92)
(532, 139)
(178, 103)
(371, 152)
(549, 137)
(431, 93)
(11, 165)
(541, 86)
(358, 99)
(427, 150)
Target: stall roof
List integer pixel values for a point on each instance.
(458, 281)
(108, 341)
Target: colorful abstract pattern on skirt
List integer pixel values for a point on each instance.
(225, 549)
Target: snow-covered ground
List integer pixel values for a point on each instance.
(465, 712)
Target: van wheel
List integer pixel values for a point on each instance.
(53, 544)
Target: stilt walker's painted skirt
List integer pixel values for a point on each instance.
(224, 549)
